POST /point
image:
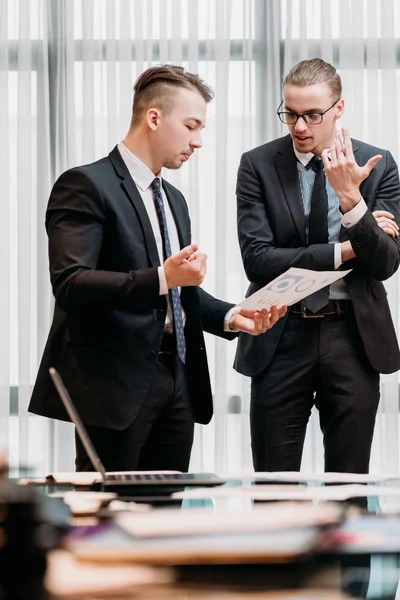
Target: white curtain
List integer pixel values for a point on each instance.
(25, 176)
(66, 73)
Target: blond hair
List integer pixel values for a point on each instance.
(314, 70)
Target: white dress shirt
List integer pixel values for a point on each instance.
(143, 177)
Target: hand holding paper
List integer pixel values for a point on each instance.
(255, 322)
(290, 287)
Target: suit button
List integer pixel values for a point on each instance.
(152, 355)
(161, 313)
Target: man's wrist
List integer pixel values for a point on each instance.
(337, 255)
(227, 321)
(353, 216)
(347, 251)
(163, 281)
(349, 200)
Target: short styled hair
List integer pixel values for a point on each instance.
(314, 70)
(154, 86)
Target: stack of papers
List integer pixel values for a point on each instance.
(277, 516)
(278, 532)
(67, 578)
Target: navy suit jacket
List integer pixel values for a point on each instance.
(109, 316)
(272, 237)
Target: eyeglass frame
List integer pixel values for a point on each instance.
(304, 115)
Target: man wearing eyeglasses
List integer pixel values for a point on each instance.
(295, 210)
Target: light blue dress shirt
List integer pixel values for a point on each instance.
(338, 290)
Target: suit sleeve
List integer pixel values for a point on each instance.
(377, 252)
(75, 221)
(213, 312)
(262, 259)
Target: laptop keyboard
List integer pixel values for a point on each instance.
(137, 477)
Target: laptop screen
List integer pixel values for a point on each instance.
(75, 418)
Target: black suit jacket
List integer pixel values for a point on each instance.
(109, 316)
(272, 237)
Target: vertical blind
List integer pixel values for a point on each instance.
(67, 68)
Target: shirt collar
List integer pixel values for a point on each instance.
(304, 159)
(140, 173)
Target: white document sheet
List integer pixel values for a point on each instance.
(290, 287)
(74, 477)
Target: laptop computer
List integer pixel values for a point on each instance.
(131, 479)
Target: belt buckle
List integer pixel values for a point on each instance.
(338, 311)
(304, 314)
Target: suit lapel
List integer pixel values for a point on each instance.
(130, 189)
(286, 165)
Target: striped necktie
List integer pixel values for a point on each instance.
(173, 292)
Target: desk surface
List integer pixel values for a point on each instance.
(382, 577)
(67, 579)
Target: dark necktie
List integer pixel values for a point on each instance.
(173, 292)
(318, 227)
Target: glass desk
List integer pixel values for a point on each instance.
(365, 562)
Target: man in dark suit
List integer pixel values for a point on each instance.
(127, 333)
(330, 349)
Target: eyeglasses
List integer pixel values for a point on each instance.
(311, 118)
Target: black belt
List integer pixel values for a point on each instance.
(334, 307)
(168, 344)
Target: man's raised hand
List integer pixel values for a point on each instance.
(187, 267)
(343, 172)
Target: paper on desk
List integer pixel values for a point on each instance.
(74, 478)
(296, 476)
(68, 578)
(85, 503)
(177, 522)
(290, 287)
(89, 477)
(284, 492)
